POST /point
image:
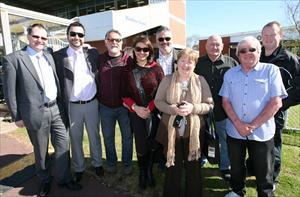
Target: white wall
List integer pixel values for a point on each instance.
(128, 21)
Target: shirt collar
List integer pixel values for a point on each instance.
(32, 52)
(72, 51)
(166, 56)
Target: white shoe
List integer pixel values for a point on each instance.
(232, 194)
(274, 187)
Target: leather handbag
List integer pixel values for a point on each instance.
(211, 147)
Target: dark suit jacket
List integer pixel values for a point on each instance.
(174, 61)
(66, 75)
(23, 91)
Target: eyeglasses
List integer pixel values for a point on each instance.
(73, 34)
(139, 49)
(245, 50)
(161, 39)
(39, 37)
(114, 40)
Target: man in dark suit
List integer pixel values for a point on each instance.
(166, 55)
(76, 69)
(32, 93)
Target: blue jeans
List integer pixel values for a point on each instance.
(224, 158)
(108, 117)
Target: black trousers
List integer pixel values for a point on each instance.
(192, 169)
(262, 155)
(143, 143)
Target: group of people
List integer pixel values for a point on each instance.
(158, 96)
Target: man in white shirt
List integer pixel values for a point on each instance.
(166, 55)
(77, 67)
(33, 96)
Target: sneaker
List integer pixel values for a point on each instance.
(203, 161)
(127, 170)
(274, 187)
(111, 169)
(226, 175)
(232, 194)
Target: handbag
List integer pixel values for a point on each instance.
(211, 147)
(152, 122)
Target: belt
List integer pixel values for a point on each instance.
(83, 102)
(50, 104)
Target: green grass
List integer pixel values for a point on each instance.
(294, 117)
(213, 185)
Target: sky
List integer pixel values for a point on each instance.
(207, 17)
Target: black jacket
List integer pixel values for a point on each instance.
(290, 73)
(213, 72)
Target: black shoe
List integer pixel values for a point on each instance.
(44, 189)
(71, 185)
(99, 171)
(226, 175)
(78, 176)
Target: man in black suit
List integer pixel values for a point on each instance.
(77, 67)
(32, 93)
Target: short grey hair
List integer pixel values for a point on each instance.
(112, 31)
(248, 39)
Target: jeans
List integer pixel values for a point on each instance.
(108, 118)
(280, 119)
(224, 158)
(262, 153)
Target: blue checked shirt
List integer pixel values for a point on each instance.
(249, 93)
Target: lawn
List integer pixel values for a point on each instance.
(213, 185)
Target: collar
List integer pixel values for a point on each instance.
(166, 56)
(220, 58)
(70, 50)
(32, 52)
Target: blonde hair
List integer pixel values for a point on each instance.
(190, 53)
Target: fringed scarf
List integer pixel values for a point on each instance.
(173, 97)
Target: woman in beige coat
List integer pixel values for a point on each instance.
(183, 98)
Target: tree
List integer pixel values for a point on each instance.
(293, 13)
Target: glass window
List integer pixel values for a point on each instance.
(122, 4)
(18, 26)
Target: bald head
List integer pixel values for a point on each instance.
(214, 47)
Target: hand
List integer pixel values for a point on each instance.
(20, 124)
(142, 112)
(126, 106)
(244, 129)
(185, 109)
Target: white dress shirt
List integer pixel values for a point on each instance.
(45, 73)
(84, 85)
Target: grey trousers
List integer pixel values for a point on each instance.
(52, 124)
(85, 115)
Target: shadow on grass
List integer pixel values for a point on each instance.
(213, 185)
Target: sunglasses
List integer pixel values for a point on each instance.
(139, 49)
(114, 40)
(245, 50)
(73, 34)
(39, 37)
(161, 39)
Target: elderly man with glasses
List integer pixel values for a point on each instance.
(252, 93)
(113, 64)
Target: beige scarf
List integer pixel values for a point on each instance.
(173, 97)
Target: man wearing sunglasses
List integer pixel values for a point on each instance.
(273, 52)
(113, 63)
(212, 67)
(166, 55)
(252, 94)
(31, 90)
(77, 67)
